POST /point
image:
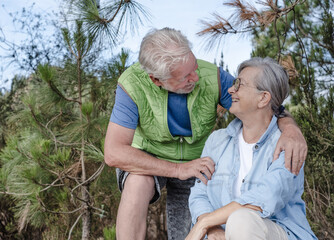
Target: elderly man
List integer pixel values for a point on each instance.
(164, 111)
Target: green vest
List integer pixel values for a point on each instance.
(152, 134)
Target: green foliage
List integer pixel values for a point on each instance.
(46, 72)
(317, 124)
(54, 149)
(105, 22)
(23, 174)
(39, 165)
(87, 108)
(306, 35)
(109, 233)
(10, 103)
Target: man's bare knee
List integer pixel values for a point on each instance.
(139, 186)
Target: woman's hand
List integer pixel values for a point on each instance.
(197, 232)
(216, 233)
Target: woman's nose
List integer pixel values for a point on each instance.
(231, 90)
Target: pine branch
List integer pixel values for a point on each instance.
(23, 217)
(54, 139)
(16, 194)
(113, 17)
(46, 126)
(301, 44)
(56, 212)
(245, 19)
(330, 48)
(59, 93)
(46, 72)
(91, 178)
(53, 184)
(35, 117)
(67, 39)
(74, 224)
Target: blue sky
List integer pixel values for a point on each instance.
(181, 15)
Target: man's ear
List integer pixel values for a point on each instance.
(264, 99)
(156, 81)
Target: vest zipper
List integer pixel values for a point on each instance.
(181, 141)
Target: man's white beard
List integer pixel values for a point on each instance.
(180, 91)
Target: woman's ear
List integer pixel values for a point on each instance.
(265, 98)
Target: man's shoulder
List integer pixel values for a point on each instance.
(133, 74)
(202, 63)
(132, 69)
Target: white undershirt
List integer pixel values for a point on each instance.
(246, 160)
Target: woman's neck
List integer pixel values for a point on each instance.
(255, 127)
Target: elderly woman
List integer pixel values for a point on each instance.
(249, 196)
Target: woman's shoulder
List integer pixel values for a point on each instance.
(274, 135)
(224, 134)
(219, 134)
(217, 140)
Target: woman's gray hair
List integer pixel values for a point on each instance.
(273, 79)
(161, 50)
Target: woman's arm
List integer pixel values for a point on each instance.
(215, 218)
(199, 202)
(275, 189)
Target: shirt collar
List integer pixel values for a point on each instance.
(234, 127)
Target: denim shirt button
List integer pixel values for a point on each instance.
(289, 233)
(256, 146)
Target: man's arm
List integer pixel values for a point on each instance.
(118, 152)
(292, 142)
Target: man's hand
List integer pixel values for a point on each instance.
(293, 143)
(216, 233)
(196, 168)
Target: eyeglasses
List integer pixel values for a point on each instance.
(237, 83)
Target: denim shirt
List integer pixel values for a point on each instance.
(268, 184)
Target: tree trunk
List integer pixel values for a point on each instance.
(86, 217)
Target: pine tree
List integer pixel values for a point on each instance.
(52, 165)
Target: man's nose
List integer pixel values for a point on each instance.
(193, 77)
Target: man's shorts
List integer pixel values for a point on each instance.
(160, 183)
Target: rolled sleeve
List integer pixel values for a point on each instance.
(274, 190)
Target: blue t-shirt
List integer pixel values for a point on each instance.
(125, 111)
